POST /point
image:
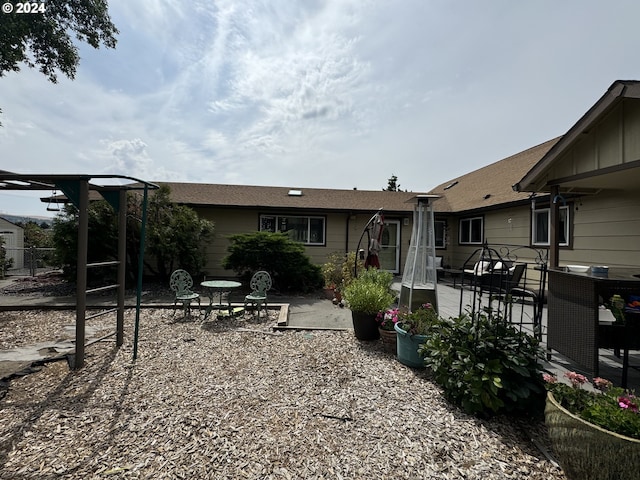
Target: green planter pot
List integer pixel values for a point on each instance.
(586, 451)
(408, 348)
(365, 326)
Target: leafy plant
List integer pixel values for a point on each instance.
(369, 293)
(486, 365)
(339, 270)
(285, 259)
(332, 270)
(388, 318)
(5, 262)
(420, 321)
(350, 265)
(612, 408)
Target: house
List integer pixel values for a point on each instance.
(591, 175)
(481, 206)
(587, 178)
(13, 236)
(324, 220)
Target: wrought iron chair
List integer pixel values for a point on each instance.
(260, 284)
(181, 283)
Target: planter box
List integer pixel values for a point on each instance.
(586, 451)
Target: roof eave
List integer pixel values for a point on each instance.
(619, 90)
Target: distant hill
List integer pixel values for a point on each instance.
(26, 219)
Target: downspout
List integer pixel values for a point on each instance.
(346, 242)
(554, 228)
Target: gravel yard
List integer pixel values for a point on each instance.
(232, 399)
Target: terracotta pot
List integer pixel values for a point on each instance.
(389, 340)
(586, 451)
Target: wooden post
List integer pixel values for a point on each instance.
(122, 257)
(81, 274)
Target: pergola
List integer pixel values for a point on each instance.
(76, 189)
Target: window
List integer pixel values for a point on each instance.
(440, 229)
(540, 222)
(471, 230)
(307, 230)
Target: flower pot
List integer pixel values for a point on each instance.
(408, 348)
(365, 326)
(328, 293)
(586, 451)
(389, 340)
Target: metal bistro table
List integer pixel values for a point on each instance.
(573, 311)
(219, 287)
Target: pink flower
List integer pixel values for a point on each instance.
(602, 384)
(576, 379)
(549, 378)
(626, 403)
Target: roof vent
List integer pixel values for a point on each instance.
(453, 184)
(295, 193)
(488, 195)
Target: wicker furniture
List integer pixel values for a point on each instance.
(573, 328)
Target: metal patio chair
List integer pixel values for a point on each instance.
(181, 283)
(260, 284)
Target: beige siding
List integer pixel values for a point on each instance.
(613, 141)
(606, 230)
(343, 232)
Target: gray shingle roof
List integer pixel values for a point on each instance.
(248, 196)
(489, 186)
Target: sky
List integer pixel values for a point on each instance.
(316, 93)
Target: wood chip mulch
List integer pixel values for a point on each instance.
(231, 399)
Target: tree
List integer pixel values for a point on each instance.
(393, 185)
(36, 235)
(45, 39)
(176, 237)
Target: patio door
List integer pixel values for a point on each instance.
(390, 246)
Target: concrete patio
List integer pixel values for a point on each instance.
(311, 312)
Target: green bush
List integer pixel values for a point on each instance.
(485, 365)
(369, 293)
(285, 260)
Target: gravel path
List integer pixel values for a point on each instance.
(232, 399)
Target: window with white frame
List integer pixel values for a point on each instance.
(540, 226)
(307, 230)
(471, 230)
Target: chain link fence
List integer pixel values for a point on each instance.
(29, 261)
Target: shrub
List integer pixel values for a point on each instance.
(286, 261)
(485, 365)
(369, 293)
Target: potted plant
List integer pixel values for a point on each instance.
(332, 274)
(366, 296)
(386, 328)
(338, 272)
(594, 429)
(413, 328)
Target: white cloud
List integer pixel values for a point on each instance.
(320, 93)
